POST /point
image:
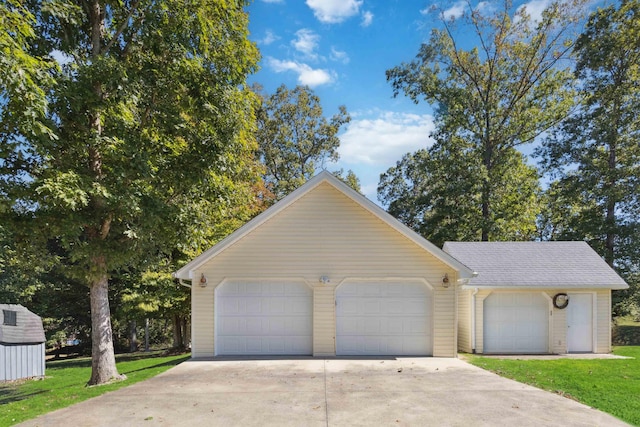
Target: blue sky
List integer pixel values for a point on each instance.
(341, 49)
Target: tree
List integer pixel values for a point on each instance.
(24, 81)
(501, 94)
(435, 192)
(295, 138)
(148, 115)
(595, 155)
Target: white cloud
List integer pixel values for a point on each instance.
(367, 19)
(384, 139)
(454, 12)
(334, 11)
(339, 56)
(306, 41)
(306, 75)
(484, 6)
(534, 9)
(269, 37)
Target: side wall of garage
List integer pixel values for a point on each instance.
(325, 234)
(558, 322)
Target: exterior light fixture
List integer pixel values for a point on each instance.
(325, 280)
(445, 281)
(203, 281)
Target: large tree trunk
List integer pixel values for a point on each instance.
(103, 360)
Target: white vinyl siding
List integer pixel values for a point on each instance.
(464, 321)
(324, 233)
(602, 318)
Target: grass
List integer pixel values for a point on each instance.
(65, 384)
(610, 385)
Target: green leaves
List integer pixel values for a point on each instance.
(594, 156)
(504, 92)
(295, 138)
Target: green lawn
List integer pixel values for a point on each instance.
(611, 385)
(65, 384)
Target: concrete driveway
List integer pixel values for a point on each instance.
(327, 392)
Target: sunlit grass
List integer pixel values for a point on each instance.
(65, 384)
(610, 385)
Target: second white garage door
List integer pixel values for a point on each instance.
(516, 323)
(263, 318)
(383, 319)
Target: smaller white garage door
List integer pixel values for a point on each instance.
(263, 318)
(383, 319)
(516, 323)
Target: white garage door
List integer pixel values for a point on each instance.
(383, 319)
(263, 318)
(516, 323)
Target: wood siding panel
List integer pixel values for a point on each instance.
(19, 361)
(324, 233)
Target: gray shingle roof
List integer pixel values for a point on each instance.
(28, 328)
(535, 265)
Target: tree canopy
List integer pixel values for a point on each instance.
(504, 92)
(295, 138)
(148, 115)
(594, 156)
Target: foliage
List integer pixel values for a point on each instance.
(608, 385)
(436, 193)
(149, 116)
(594, 157)
(502, 93)
(295, 138)
(65, 384)
(350, 178)
(626, 331)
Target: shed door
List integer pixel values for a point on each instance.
(263, 318)
(516, 323)
(383, 319)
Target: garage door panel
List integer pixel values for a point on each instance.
(383, 319)
(263, 318)
(516, 323)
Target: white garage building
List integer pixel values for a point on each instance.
(324, 272)
(535, 297)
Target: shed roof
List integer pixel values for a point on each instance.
(187, 271)
(27, 330)
(535, 265)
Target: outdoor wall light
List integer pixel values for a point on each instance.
(445, 281)
(325, 280)
(203, 281)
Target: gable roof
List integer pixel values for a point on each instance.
(535, 265)
(187, 272)
(27, 330)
